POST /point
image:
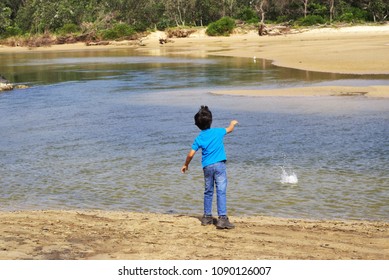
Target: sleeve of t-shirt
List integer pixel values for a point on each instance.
(195, 145)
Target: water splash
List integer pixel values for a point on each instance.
(288, 177)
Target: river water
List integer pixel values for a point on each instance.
(111, 129)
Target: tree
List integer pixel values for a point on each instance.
(180, 10)
(260, 6)
(305, 7)
(207, 11)
(332, 9)
(228, 7)
(379, 10)
(5, 17)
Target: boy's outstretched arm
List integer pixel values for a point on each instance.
(231, 127)
(189, 157)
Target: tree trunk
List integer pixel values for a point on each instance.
(305, 8)
(260, 8)
(332, 8)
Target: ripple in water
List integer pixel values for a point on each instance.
(288, 177)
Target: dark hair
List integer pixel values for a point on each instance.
(203, 118)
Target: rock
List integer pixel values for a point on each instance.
(21, 87)
(5, 84)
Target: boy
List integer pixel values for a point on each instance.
(210, 140)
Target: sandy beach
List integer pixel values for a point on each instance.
(124, 235)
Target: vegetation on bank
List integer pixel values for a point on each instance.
(39, 22)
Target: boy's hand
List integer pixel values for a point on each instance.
(189, 157)
(184, 169)
(231, 127)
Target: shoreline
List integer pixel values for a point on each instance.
(339, 91)
(105, 235)
(362, 49)
(347, 50)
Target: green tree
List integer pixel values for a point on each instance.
(207, 11)
(180, 11)
(5, 18)
(379, 10)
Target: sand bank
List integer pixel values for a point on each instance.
(356, 49)
(123, 235)
(371, 91)
(352, 50)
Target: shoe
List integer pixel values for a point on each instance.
(224, 223)
(206, 220)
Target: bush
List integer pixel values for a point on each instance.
(69, 28)
(118, 31)
(248, 15)
(311, 20)
(282, 19)
(11, 31)
(163, 24)
(222, 27)
(354, 15)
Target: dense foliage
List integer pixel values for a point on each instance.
(116, 18)
(222, 27)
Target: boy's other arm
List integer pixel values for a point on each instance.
(231, 127)
(189, 157)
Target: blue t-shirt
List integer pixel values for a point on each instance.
(211, 143)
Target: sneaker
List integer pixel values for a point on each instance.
(206, 220)
(224, 223)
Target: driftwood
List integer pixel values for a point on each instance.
(274, 30)
(100, 43)
(179, 33)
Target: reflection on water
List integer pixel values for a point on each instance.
(189, 72)
(110, 130)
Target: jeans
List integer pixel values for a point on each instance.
(215, 175)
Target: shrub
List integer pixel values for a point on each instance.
(69, 28)
(222, 27)
(163, 24)
(11, 31)
(248, 15)
(311, 20)
(118, 31)
(354, 15)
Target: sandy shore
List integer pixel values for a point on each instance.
(371, 91)
(356, 50)
(122, 235)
